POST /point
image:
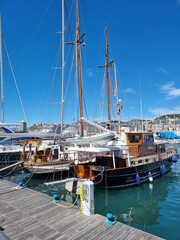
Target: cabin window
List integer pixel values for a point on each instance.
(134, 139)
(146, 160)
(55, 151)
(151, 139)
(146, 138)
(140, 161)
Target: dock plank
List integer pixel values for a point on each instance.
(27, 214)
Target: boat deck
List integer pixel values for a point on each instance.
(27, 214)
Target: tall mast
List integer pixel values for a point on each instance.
(119, 121)
(79, 69)
(107, 77)
(62, 91)
(2, 80)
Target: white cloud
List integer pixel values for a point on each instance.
(170, 90)
(129, 90)
(89, 72)
(164, 111)
(163, 69)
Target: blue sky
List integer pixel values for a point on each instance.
(144, 37)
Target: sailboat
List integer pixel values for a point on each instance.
(130, 162)
(47, 157)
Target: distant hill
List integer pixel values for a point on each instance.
(172, 116)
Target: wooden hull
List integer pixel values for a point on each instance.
(126, 177)
(45, 168)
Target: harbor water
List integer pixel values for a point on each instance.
(152, 207)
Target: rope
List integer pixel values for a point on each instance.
(25, 184)
(66, 206)
(106, 192)
(10, 171)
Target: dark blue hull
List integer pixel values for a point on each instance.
(125, 177)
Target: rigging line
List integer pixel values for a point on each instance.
(68, 18)
(102, 95)
(45, 85)
(140, 100)
(58, 57)
(69, 77)
(123, 94)
(85, 107)
(101, 104)
(121, 82)
(102, 91)
(112, 96)
(15, 82)
(32, 38)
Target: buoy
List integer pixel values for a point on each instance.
(56, 197)
(138, 180)
(150, 177)
(162, 170)
(20, 184)
(174, 159)
(110, 219)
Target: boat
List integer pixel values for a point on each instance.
(46, 156)
(99, 139)
(137, 161)
(71, 150)
(10, 150)
(168, 135)
(141, 161)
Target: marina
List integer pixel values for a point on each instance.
(23, 214)
(103, 161)
(147, 207)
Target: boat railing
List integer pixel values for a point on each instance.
(62, 157)
(153, 158)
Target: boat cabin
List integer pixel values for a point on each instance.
(140, 144)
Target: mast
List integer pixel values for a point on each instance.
(2, 79)
(79, 69)
(62, 91)
(118, 101)
(107, 77)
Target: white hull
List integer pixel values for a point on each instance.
(100, 139)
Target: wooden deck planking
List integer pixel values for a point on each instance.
(27, 214)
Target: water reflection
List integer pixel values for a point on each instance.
(137, 205)
(153, 207)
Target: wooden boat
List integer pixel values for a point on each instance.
(138, 161)
(48, 157)
(142, 162)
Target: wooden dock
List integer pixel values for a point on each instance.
(27, 214)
